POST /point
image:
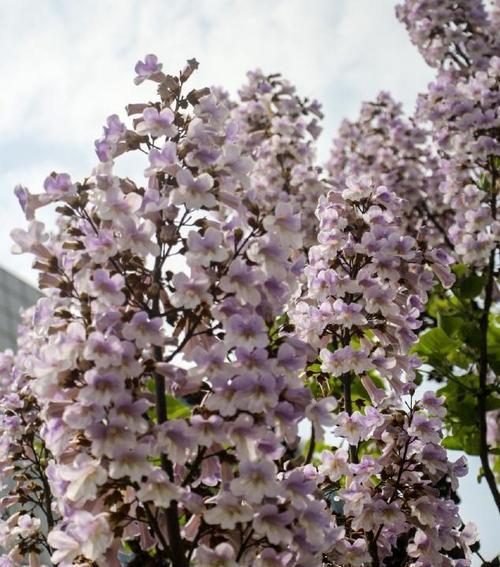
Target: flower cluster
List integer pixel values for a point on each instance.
(210, 450)
(22, 471)
(155, 410)
(279, 128)
(451, 34)
(367, 285)
(394, 499)
(465, 119)
(461, 106)
(396, 153)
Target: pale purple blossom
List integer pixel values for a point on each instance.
(165, 160)
(228, 511)
(84, 534)
(148, 69)
(157, 123)
(108, 288)
(269, 522)
(138, 238)
(177, 439)
(206, 248)
(223, 555)
(242, 281)
(193, 192)
(84, 476)
(158, 489)
(190, 291)
(285, 225)
(351, 427)
(103, 350)
(250, 331)
(256, 480)
(130, 460)
(143, 330)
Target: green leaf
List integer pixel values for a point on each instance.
(466, 410)
(177, 409)
(451, 324)
(472, 334)
(492, 403)
(459, 270)
(494, 346)
(466, 437)
(436, 342)
(470, 286)
(471, 444)
(150, 385)
(452, 442)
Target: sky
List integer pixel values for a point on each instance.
(66, 66)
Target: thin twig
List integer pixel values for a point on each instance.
(312, 445)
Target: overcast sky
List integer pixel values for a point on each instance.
(66, 65)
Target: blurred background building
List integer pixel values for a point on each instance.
(14, 295)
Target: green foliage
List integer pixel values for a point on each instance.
(469, 286)
(462, 418)
(451, 350)
(177, 408)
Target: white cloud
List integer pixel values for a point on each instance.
(70, 63)
(67, 65)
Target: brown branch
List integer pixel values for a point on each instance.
(373, 549)
(312, 445)
(193, 467)
(437, 224)
(347, 382)
(172, 512)
(155, 527)
(244, 544)
(483, 358)
(47, 493)
(483, 385)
